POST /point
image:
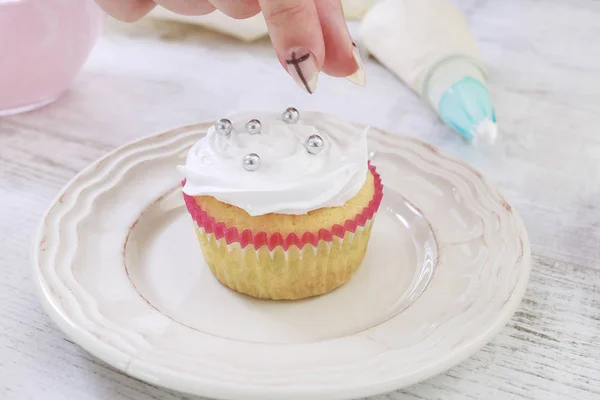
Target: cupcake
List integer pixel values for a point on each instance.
(283, 205)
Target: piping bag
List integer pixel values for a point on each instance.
(427, 43)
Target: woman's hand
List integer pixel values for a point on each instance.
(309, 36)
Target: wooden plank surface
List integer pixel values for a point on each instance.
(544, 67)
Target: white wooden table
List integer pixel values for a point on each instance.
(544, 67)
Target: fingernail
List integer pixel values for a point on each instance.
(302, 66)
(358, 78)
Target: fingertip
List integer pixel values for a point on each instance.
(297, 38)
(244, 15)
(126, 10)
(358, 77)
(340, 61)
(303, 67)
(240, 9)
(342, 57)
(185, 7)
(294, 24)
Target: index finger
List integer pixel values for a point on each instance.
(297, 37)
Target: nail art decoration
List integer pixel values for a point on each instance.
(359, 77)
(253, 127)
(302, 66)
(314, 144)
(251, 162)
(223, 127)
(290, 116)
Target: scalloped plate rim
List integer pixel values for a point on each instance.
(122, 361)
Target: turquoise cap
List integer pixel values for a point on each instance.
(467, 107)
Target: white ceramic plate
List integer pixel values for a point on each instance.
(120, 272)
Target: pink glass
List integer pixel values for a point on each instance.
(43, 45)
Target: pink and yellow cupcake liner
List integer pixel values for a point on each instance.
(294, 266)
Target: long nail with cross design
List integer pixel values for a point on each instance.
(302, 66)
(358, 78)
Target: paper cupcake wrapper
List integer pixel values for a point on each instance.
(279, 274)
(260, 239)
(291, 267)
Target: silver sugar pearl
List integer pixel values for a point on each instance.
(223, 127)
(290, 116)
(314, 144)
(251, 162)
(253, 127)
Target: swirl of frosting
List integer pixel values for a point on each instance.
(289, 180)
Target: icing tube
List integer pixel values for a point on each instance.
(427, 43)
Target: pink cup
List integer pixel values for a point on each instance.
(43, 45)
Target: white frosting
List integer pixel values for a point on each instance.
(290, 180)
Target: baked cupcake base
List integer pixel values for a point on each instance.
(288, 265)
(277, 274)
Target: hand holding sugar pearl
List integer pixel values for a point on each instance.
(309, 36)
